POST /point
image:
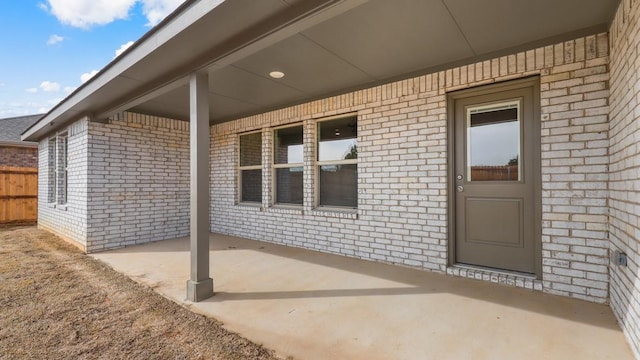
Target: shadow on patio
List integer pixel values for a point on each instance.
(317, 306)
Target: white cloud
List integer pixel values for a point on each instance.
(54, 39)
(156, 10)
(48, 86)
(86, 13)
(86, 76)
(122, 48)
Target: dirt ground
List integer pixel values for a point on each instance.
(57, 303)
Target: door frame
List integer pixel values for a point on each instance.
(527, 82)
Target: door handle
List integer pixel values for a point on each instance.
(460, 188)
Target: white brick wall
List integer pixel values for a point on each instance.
(624, 184)
(402, 167)
(138, 181)
(69, 220)
(575, 144)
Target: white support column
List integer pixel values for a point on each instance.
(200, 285)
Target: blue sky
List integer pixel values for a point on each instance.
(49, 47)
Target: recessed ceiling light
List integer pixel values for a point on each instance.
(276, 74)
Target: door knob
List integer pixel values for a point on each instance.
(460, 188)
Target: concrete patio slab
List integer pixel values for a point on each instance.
(311, 305)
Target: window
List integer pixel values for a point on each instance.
(493, 142)
(251, 167)
(58, 169)
(63, 160)
(51, 198)
(338, 162)
(288, 164)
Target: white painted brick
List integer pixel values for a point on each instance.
(624, 184)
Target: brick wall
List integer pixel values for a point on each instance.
(575, 144)
(624, 184)
(66, 220)
(138, 181)
(402, 170)
(18, 156)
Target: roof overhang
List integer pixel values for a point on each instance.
(325, 47)
(21, 144)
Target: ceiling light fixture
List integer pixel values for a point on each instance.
(276, 74)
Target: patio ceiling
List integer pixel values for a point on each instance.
(324, 47)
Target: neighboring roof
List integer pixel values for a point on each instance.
(325, 47)
(12, 128)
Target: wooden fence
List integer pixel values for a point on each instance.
(483, 173)
(18, 194)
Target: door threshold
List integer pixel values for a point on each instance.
(496, 271)
(497, 276)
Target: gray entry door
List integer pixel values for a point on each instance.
(494, 180)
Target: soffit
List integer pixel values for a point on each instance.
(325, 47)
(382, 40)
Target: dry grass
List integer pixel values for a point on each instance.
(55, 302)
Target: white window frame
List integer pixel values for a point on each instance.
(318, 163)
(275, 167)
(251, 167)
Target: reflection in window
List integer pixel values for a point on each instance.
(288, 145)
(337, 162)
(493, 148)
(251, 167)
(288, 164)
